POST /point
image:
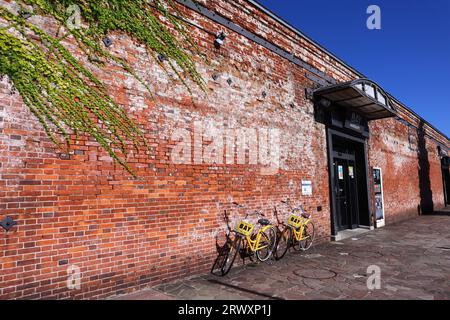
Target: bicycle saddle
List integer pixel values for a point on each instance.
(264, 222)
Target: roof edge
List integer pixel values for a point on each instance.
(286, 24)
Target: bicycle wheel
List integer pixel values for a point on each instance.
(268, 240)
(230, 256)
(217, 267)
(307, 236)
(283, 243)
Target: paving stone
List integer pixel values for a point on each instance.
(411, 263)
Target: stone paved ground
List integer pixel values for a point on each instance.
(414, 257)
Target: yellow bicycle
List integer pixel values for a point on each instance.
(299, 232)
(248, 242)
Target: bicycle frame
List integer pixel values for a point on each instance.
(246, 231)
(298, 233)
(301, 220)
(250, 240)
(254, 245)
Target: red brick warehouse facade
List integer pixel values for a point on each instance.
(82, 210)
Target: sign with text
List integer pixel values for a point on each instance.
(379, 199)
(306, 188)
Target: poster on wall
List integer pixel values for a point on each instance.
(341, 172)
(306, 188)
(351, 172)
(379, 201)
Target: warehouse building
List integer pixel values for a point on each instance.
(282, 118)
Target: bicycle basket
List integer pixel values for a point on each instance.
(244, 228)
(295, 221)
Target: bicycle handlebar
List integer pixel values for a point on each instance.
(240, 206)
(287, 202)
(297, 208)
(278, 218)
(259, 213)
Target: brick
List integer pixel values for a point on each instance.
(29, 182)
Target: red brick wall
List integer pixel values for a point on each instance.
(394, 147)
(81, 209)
(389, 149)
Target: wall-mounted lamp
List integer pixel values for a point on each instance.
(107, 42)
(26, 15)
(309, 94)
(220, 38)
(324, 103)
(8, 223)
(441, 153)
(161, 58)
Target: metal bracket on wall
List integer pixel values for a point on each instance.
(317, 80)
(7, 223)
(309, 94)
(322, 78)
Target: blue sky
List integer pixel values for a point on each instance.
(409, 57)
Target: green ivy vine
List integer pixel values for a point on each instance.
(60, 90)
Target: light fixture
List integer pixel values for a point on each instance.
(440, 153)
(325, 103)
(220, 38)
(161, 58)
(107, 42)
(309, 94)
(26, 15)
(7, 223)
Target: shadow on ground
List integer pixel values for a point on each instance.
(413, 257)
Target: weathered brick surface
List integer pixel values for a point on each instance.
(396, 148)
(81, 209)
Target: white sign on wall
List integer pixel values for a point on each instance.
(306, 188)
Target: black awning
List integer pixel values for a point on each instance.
(362, 96)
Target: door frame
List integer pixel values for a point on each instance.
(331, 175)
(446, 184)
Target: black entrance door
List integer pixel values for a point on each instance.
(445, 163)
(346, 194)
(446, 178)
